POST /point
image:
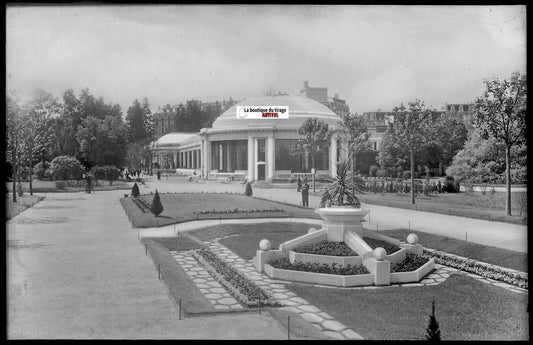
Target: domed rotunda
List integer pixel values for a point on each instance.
(259, 148)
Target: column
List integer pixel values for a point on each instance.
(207, 156)
(228, 156)
(271, 157)
(181, 159)
(251, 160)
(333, 156)
(175, 159)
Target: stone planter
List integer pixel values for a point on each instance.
(413, 276)
(325, 259)
(339, 219)
(320, 278)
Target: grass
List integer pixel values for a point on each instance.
(182, 207)
(473, 205)
(71, 186)
(466, 309)
(23, 202)
(492, 255)
(179, 285)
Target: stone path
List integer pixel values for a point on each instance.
(213, 291)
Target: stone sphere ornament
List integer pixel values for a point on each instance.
(380, 253)
(412, 239)
(265, 245)
(311, 230)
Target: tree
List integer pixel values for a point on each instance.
(409, 128)
(65, 168)
(13, 126)
(103, 141)
(433, 331)
(136, 122)
(500, 113)
(156, 207)
(248, 189)
(108, 172)
(316, 137)
(35, 134)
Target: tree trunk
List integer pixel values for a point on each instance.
(14, 165)
(412, 176)
(30, 170)
(508, 179)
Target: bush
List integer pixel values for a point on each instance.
(41, 171)
(65, 168)
(156, 207)
(326, 247)
(135, 191)
(411, 263)
(107, 172)
(450, 186)
(248, 190)
(344, 270)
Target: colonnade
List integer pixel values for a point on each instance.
(191, 159)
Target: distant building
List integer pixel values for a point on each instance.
(465, 111)
(320, 94)
(166, 120)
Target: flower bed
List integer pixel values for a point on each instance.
(236, 210)
(411, 263)
(479, 268)
(285, 264)
(326, 247)
(325, 259)
(143, 205)
(245, 291)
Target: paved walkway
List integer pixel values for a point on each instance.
(497, 234)
(76, 270)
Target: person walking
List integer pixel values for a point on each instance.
(305, 194)
(158, 175)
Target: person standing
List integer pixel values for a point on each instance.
(299, 184)
(89, 182)
(305, 194)
(158, 175)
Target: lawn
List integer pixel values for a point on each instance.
(182, 207)
(71, 186)
(466, 309)
(475, 205)
(23, 202)
(492, 255)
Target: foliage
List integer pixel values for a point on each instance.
(103, 141)
(156, 207)
(66, 168)
(433, 331)
(135, 190)
(316, 137)
(479, 268)
(244, 290)
(326, 248)
(343, 188)
(236, 210)
(139, 121)
(334, 268)
(500, 113)
(42, 171)
(248, 189)
(411, 263)
(107, 172)
(354, 135)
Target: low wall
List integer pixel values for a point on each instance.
(414, 276)
(325, 259)
(397, 256)
(377, 236)
(311, 238)
(319, 278)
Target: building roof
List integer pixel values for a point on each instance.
(300, 109)
(172, 139)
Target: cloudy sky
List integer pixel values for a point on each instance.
(372, 56)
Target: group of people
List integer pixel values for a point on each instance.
(132, 172)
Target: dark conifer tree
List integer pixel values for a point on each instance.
(156, 207)
(433, 331)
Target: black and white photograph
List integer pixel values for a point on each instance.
(266, 172)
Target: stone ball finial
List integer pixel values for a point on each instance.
(265, 244)
(380, 253)
(311, 230)
(412, 239)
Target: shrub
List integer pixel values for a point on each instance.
(156, 207)
(411, 263)
(40, 171)
(135, 191)
(248, 190)
(107, 172)
(65, 168)
(433, 331)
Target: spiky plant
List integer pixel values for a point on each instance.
(433, 330)
(343, 189)
(156, 207)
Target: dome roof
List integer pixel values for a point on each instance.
(172, 139)
(300, 109)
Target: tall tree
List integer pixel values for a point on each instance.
(13, 126)
(135, 122)
(409, 128)
(36, 134)
(316, 137)
(501, 113)
(148, 118)
(354, 135)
